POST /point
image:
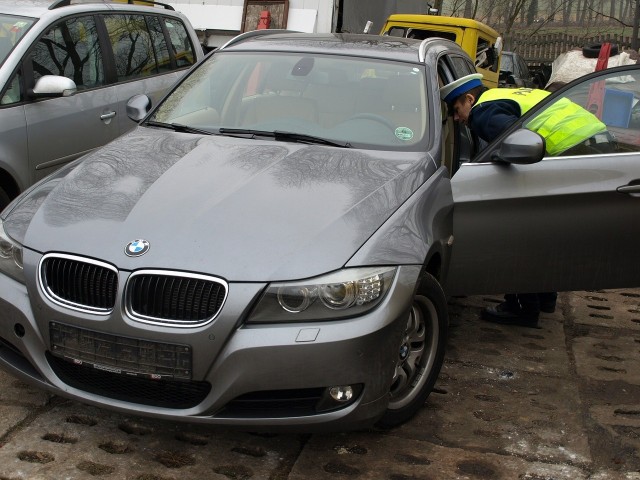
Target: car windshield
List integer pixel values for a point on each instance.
(357, 102)
(12, 29)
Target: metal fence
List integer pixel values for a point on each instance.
(541, 49)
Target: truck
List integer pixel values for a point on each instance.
(479, 40)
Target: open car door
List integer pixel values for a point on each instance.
(558, 224)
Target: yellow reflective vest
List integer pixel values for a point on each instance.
(563, 124)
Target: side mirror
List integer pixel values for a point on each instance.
(53, 86)
(522, 147)
(138, 106)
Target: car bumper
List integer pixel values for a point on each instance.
(273, 377)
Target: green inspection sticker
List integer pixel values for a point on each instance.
(404, 133)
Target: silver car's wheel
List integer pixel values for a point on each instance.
(420, 354)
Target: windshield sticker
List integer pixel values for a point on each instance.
(404, 133)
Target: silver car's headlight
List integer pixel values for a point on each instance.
(341, 294)
(10, 256)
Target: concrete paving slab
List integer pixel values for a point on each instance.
(13, 390)
(609, 308)
(472, 339)
(73, 441)
(363, 456)
(11, 416)
(613, 358)
(505, 411)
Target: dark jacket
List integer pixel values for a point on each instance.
(490, 119)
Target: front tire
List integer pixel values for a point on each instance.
(420, 355)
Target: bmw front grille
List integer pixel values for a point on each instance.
(174, 298)
(159, 297)
(79, 283)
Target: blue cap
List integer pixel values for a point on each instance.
(453, 90)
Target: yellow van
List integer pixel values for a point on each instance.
(480, 41)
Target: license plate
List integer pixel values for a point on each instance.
(123, 355)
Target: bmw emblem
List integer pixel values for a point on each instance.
(137, 248)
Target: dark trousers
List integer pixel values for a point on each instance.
(531, 302)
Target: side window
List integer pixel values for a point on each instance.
(397, 32)
(132, 46)
(421, 34)
(159, 44)
(12, 94)
(462, 66)
(182, 47)
(600, 115)
(458, 143)
(70, 49)
(486, 55)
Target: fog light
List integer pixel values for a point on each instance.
(341, 394)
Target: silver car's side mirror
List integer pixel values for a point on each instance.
(138, 106)
(53, 86)
(521, 147)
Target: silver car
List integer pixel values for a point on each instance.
(267, 249)
(67, 71)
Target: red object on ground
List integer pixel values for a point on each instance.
(596, 92)
(264, 22)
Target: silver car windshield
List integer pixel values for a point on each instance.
(12, 29)
(361, 102)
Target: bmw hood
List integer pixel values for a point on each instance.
(241, 209)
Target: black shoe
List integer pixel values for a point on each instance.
(506, 314)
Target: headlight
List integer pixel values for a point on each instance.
(346, 293)
(10, 256)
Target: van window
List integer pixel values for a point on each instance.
(159, 44)
(132, 46)
(180, 42)
(70, 49)
(420, 33)
(486, 55)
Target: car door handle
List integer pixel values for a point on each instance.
(107, 116)
(631, 189)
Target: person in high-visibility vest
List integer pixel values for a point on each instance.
(567, 128)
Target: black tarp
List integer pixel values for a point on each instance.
(356, 13)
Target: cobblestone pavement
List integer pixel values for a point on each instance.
(558, 402)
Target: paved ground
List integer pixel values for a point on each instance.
(554, 403)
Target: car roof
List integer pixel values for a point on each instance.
(39, 8)
(358, 45)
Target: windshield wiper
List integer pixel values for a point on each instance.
(178, 127)
(283, 136)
